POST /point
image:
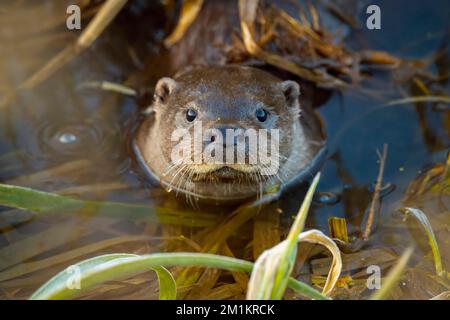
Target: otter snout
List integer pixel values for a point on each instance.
(232, 139)
(229, 135)
(238, 132)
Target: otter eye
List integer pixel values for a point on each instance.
(191, 114)
(261, 114)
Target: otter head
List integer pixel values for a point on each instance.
(223, 133)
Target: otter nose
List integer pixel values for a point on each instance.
(235, 146)
(230, 135)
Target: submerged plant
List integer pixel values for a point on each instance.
(274, 273)
(422, 218)
(270, 275)
(41, 202)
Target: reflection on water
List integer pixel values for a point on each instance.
(58, 137)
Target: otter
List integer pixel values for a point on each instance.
(207, 88)
(220, 100)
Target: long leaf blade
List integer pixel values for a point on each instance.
(104, 268)
(45, 202)
(167, 284)
(270, 276)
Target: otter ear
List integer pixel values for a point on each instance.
(164, 88)
(291, 91)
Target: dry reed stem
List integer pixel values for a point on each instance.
(376, 196)
(99, 23)
(189, 11)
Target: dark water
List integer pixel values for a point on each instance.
(416, 134)
(59, 123)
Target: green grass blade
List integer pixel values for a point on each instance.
(393, 276)
(306, 290)
(116, 266)
(272, 269)
(287, 258)
(45, 202)
(167, 284)
(422, 218)
(299, 222)
(61, 281)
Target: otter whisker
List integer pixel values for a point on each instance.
(172, 166)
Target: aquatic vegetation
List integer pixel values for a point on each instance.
(393, 277)
(96, 271)
(267, 281)
(422, 218)
(44, 203)
(269, 277)
(59, 208)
